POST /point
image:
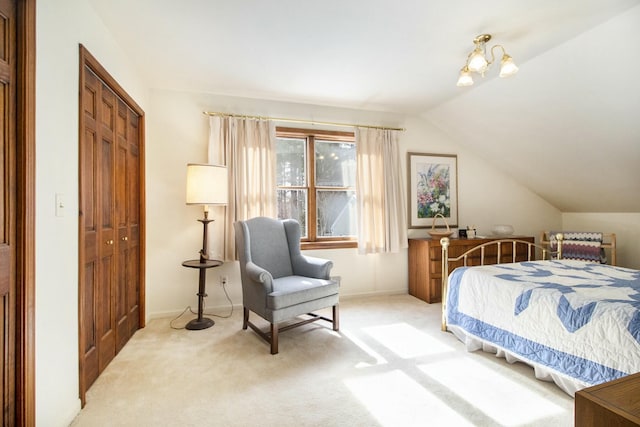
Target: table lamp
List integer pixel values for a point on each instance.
(206, 186)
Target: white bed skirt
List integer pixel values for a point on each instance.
(472, 343)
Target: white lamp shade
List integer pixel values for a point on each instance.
(465, 78)
(477, 62)
(507, 67)
(206, 184)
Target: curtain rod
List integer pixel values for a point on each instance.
(310, 122)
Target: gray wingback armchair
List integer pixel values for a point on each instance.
(278, 282)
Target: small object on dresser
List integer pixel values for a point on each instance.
(502, 230)
(436, 234)
(462, 233)
(471, 232)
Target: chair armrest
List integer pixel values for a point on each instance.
(308, 266)
(259, 275)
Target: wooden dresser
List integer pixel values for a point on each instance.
(425, 262)
(615, 403)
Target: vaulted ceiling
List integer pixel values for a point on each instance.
(567, 125)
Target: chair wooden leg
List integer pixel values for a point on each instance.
(245, 320)
(271, 336)
(274, 338)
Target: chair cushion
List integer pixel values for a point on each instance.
(292, 290)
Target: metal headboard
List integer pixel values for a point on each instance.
(532, 252)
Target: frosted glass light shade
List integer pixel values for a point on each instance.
(477, 62)
(206, 184)
(507, 67)
(465, 78)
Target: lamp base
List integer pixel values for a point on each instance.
(199, 324)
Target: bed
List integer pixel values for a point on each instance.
(576, 323)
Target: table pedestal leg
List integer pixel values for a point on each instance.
(201, 322)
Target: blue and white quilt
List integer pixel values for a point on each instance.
(579, 320)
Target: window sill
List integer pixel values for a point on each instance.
(333, 244)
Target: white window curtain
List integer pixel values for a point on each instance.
(247, 148)
(382, 219)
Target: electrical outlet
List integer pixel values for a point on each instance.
(223, 280)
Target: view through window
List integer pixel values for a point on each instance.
(316, 179)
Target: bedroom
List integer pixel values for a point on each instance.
(499, 159)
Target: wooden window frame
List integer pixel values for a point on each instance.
(311, 135)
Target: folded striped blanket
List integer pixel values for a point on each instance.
(584, 246)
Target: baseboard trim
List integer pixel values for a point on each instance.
(219, 310)
(223, 310)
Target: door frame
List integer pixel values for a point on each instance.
(25, 374)
(88, 60)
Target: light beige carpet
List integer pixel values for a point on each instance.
(390, 365)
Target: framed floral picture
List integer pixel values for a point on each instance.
(433, 190)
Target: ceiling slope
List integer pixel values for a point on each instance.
(565, 125)
(568, 125)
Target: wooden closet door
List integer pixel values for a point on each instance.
(7, 212)
(133, 197)
(111, 200)
(127, 220)
(97, 228)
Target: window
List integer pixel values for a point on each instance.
(316, 180)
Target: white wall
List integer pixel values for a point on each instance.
(61, 26)
(177, 135)
(625, 225)
(486, 197)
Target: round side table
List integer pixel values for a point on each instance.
(201, 322)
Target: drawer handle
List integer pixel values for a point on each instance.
(109, 242)
(125, 238)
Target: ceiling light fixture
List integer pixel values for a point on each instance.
(477, 61)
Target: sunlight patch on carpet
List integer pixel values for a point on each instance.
(395, 399)
(508, 402)
(406, 341)
(379, 360)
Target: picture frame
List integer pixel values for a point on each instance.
(433, 189)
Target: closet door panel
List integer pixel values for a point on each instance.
(88, 229)
(8, 235)
(122, 220)
(133, 283)
(110, 207)
(106, 240)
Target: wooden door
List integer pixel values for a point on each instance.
(111, 193)
(128, 224)
(7, 211)
(97, 227)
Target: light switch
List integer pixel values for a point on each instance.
(59, 204)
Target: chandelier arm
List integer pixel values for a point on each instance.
(468, 58)
(493, 58)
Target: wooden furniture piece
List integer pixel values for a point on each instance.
(425, 262)
(201, 322)
(279, 283)
(614, 403)
(516, 311)
(111, 219)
